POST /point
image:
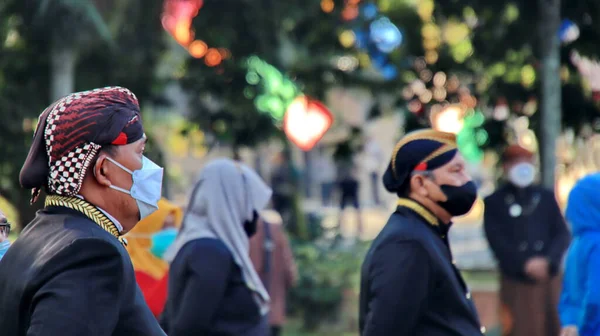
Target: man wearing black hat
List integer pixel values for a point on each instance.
(528, 235)
(69, 273)
(409, 284)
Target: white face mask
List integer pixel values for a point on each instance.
(522, 174)
(147, 186)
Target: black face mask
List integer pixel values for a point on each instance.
(460, 199)
(251, 225)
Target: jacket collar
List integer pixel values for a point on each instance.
(425, 214)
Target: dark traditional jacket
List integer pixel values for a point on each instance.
(409, 284)
(66, 275)
(536, 227)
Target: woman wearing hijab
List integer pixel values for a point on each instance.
(147, 243)
(213, 286)
(579, 306)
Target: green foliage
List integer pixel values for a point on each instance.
(25, 73)
(48, 10)
(328, 271)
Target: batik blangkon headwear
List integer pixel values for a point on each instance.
(422, 150)
(70, 133)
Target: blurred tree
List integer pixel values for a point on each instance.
(25, 70)
(68, 26)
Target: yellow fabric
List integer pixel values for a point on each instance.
(139, 243)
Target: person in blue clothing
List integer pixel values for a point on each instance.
(579, 305)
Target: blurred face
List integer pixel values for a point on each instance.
(450, 186)
(108, 174)
(4, 227)
(169, 221)
(520, 171)
(508, 165)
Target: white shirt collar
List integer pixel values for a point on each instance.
(113, 219)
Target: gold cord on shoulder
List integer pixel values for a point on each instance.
(418, 208)
(88, 210)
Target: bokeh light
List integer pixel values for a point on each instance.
(327, 6)
(385, 35)
(450, 119)
(528, 76)
(350, 12)
(183, 34)
(347, 38)
(213, 57)
(425, 9)
(198, 49)
(439, 79)
(431, 57)
(225, 53)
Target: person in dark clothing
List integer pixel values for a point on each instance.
(528, 235)
(69, 273)
(409, 284)
(214, 289)
(284, 184)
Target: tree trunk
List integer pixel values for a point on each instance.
(549, 22)
(63, 59)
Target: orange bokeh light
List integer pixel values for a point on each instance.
(225, 54)
(327, 6)
(350, 12)
(183, 35)
(213, 57)
(198, 49)
(352, 2)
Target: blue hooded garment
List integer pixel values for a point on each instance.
(580, 298)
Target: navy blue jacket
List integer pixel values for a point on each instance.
(539, 231)
(65, 275)
(207, 293)
(409, 284)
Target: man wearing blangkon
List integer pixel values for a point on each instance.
(69, 273)
(409, 284)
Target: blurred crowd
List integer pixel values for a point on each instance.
(107, 255)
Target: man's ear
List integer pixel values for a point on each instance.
(417, 185)
(101, 171)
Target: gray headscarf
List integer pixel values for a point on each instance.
(226, 194)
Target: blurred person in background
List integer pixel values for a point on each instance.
(347, 180)
(272, 257)
(147, 242)
(214, 289)
(325, 175)
(409, 284)
(373, 159)
(69, 273)
(4, 232)
(579, 306)
(528, 235)
(284, 181)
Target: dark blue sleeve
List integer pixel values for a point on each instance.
(82, 293)
(399, 277)
(209, 263)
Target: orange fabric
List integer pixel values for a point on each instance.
(139, 243)
(151, 273)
